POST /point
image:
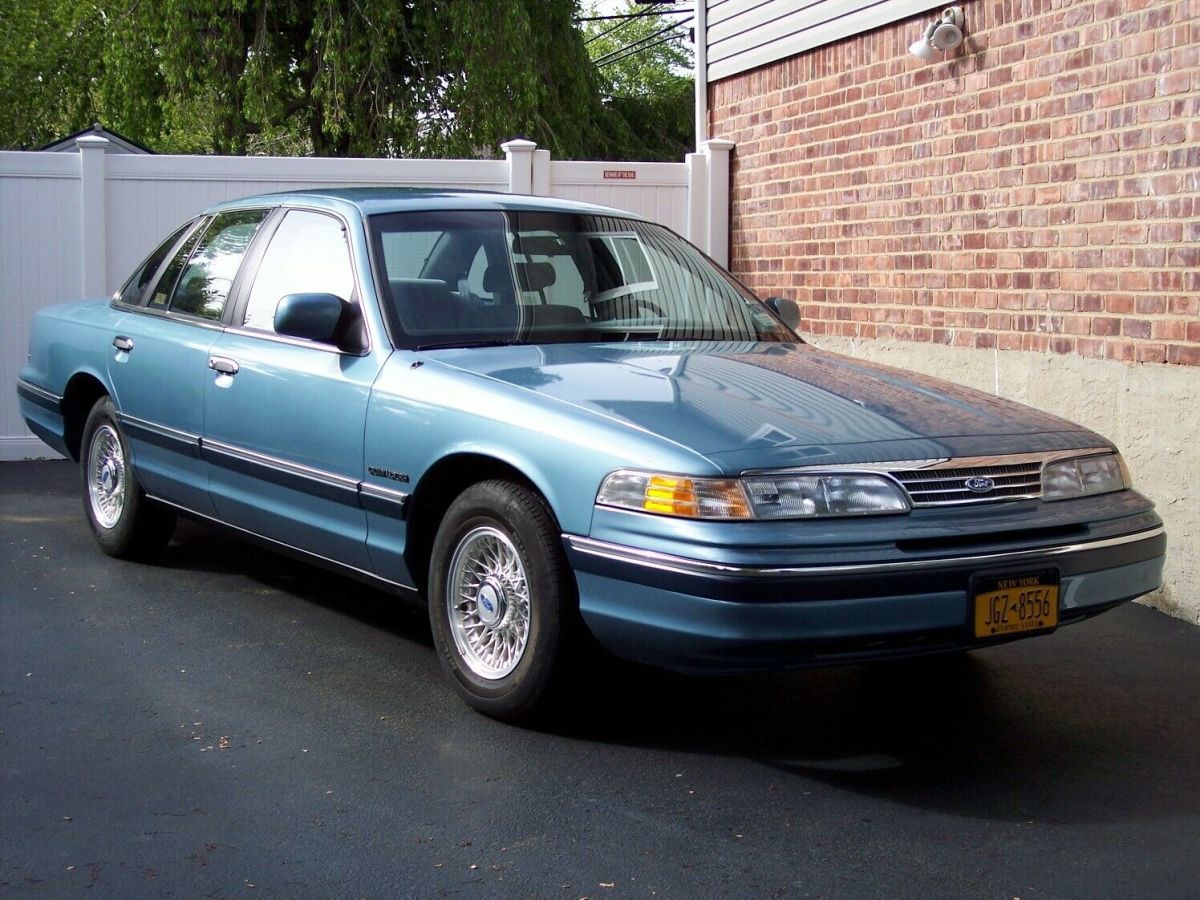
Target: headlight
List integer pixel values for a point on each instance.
(753, 497)
(802, 496)
(1084, 476)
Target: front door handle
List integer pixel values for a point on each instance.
(123, 343)
(223, 365)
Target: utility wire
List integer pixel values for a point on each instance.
(636, 15)
(637, 45)
(666, 40)
(625, 20)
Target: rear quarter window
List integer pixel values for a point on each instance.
(207, 279)
(133, 293)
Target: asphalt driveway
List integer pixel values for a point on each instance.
(229, 722)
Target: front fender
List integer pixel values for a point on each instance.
(420, 414)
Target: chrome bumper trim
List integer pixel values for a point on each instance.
(39, 395)
(666, 562)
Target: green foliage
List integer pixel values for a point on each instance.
(45, 89)
(326, 77)
(646, 78)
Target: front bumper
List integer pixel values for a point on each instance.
(703, 616)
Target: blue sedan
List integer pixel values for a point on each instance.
(547, 421)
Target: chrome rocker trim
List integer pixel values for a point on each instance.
(161, 435)
(306, 479)
(317, 482)
(666, 562)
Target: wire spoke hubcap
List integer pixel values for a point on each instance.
(106, 476)
(487, 603)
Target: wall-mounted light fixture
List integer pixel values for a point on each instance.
(945, 33)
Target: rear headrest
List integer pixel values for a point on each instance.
(535, 276)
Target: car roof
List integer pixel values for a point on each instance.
(370, 201)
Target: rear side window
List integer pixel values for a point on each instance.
(135, 287)
(166, 282)
(204, 285)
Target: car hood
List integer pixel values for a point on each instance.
(749, 405)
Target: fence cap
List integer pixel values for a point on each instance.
(518, 145)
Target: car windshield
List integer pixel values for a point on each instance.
(466, 278)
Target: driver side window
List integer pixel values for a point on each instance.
(308, 254)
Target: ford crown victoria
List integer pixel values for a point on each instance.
(546, 421)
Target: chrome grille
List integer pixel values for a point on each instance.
(947, 487)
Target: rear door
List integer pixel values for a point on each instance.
(160, 353)
(284, 417)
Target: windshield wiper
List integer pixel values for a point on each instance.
(488, 342)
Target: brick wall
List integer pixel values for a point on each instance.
(1038, 189)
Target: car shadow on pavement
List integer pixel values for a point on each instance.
(1048, 730)
(1097, 723)
(202, 548)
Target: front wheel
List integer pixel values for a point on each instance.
(125, 522)
(501, 599)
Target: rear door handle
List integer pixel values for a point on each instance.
(223, 365)
(123, 343)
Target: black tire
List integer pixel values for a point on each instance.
(125, 522)
(493, 529)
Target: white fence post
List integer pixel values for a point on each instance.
(519, 153)
(93, 278)
(697, 200)
(541, 173)
(717, 244)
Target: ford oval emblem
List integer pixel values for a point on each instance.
(979, 484)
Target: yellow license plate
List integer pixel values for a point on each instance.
(1016, 604)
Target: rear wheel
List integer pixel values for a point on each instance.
(125, 522)
(501, 599)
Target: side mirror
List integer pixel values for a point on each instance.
(786, 309)
(313, 317)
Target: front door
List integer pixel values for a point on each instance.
(284, 418)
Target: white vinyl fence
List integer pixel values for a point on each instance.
(74, 225)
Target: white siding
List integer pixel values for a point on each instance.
(744, 34)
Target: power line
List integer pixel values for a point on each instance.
(666, 40)
(624, 21)
(636, 46)
(639, 15)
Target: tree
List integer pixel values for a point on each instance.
(44, 80)
(330, 77)
(645, 65)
